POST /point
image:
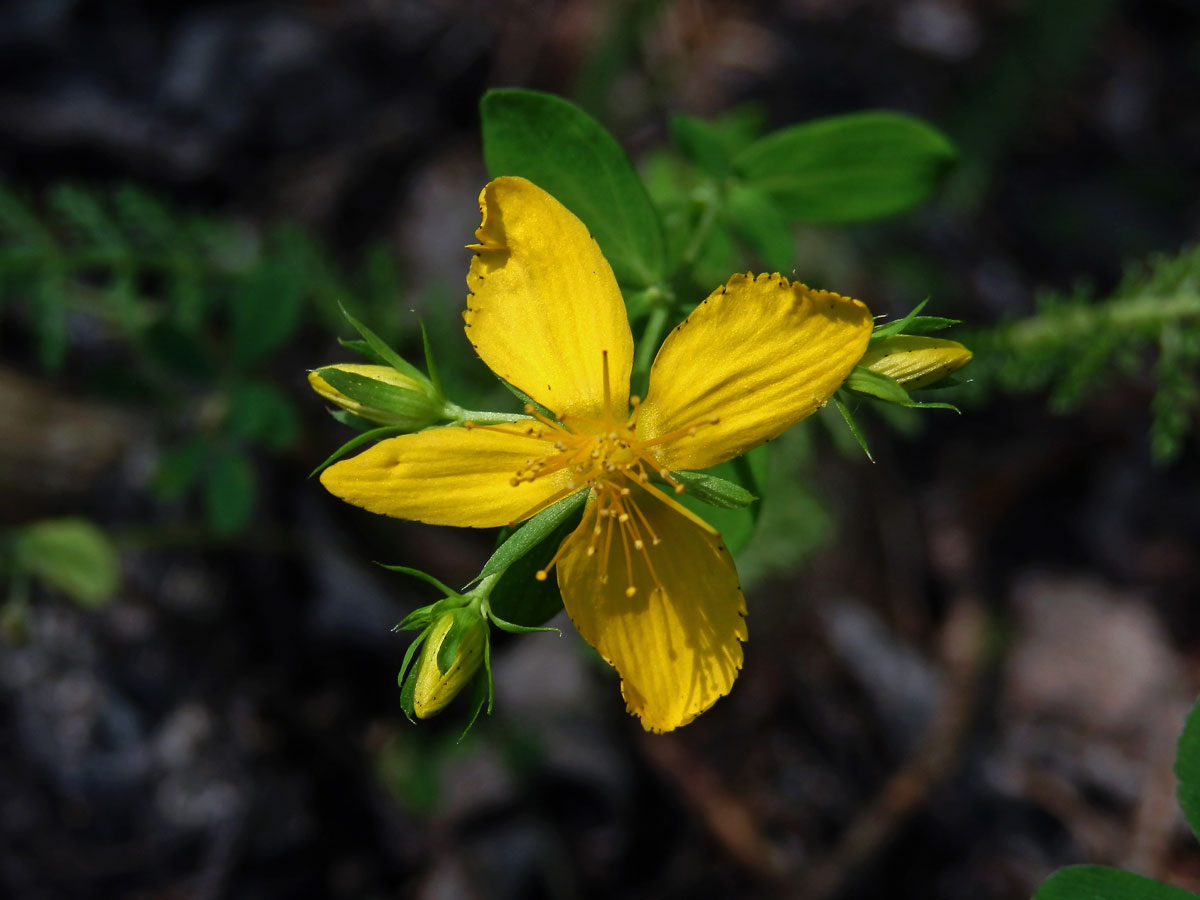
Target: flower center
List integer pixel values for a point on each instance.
(606, 457)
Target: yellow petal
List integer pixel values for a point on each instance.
(914, 360)
(449, 476)
(677, 641)
(544, 305)
(757, 356)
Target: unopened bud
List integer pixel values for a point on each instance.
(379, 394)
(914, 360)
(434, 688)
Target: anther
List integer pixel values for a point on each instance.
(541, 575)
(630, 591)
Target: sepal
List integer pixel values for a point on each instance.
(380, 394)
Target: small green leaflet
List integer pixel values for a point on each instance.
(531, 534)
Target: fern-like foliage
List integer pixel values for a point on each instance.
(1076, 343)
(190, 311)
(128, 261)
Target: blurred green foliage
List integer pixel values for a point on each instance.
(1076, 346)
(70, 556)
(182, 316)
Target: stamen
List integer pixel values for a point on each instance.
(654, 538)
(631, 590)
(531, 410)
(562, 548)
(686, 431)
(542, 504)
(507, 428)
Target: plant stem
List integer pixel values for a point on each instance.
(648, 345)
(456, 413)
(709, 200)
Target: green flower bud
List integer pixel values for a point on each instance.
(915, 361)
(435, 688)
(379, 394)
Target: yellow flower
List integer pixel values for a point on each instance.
(646, 582)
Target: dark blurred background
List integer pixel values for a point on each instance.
(968, 662)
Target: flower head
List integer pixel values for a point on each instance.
(649, 584)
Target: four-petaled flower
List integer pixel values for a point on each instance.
(646, 582)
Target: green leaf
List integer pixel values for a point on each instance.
(714, 490)
(851, 168)
(702, 142)
(1101, 883)
(363, 349)
(928, 324)
(380, 348)
(84, 215)
(409, 653)
(376, 394)
(1187, 770)
(718, 257)
(517, 596)
(49, 314)
(229, 493)
(481, 695)
(913, 324)
(178, 468)
(408, 685)
(513, 628)
(897, 327)
(71, 555)
(873, 384)
(448, 649)
(841, 407)
(531, 534)
(260, 413)
(759, 222)
(178, 351)
(563, 150)
(265, 311)
(423, 576)
(736, 525)
(888, 389)
(712, 143)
